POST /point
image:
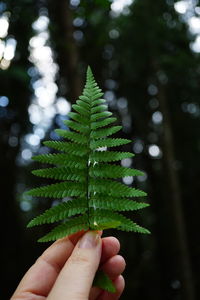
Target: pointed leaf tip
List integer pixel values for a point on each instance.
(89, 72)
(89, 69)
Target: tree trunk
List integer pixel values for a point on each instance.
(67, 50)
(175, 202)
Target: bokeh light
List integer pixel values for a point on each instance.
(154, 151)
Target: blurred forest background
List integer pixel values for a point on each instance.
(145, 56)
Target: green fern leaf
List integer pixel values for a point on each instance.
(100, 133)
(81, 110)
(103, 281)
(99, 108)
(67, 160)
(83, 104)
(77, 117)
(77, 126)
(113, 188)
(67, 147)
(83, 169)
(59, 190)
(108, 156)
(98, 102)
(100, 115)
(113, 171)
(87, 176)
(101, 217)
(62, 173)
(92, 92)
(115, 204)
(73, 136)
(86, 99)
(105, 122)
(59, 212)
(108, 142)
(69, 227)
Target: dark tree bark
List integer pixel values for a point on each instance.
(67, 51)
(174, 202)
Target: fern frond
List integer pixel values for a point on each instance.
(100, 133)
(98, 102)
(94, 94)
(60, 212)
(69, 227)
(77, 126)
(116, 204)
(108, 142)
(77, 117)
(71, 148)
(102, 217)
(85, 172)
(109, 156)
(59, 190)
(104, 282)
(83, 104)
(67, 160)
(105, 122)
(73, 136)
(114, 188)
(113, 171)
(86, 175)
(99, 108)
(81, 110)
(61, 173)
(85, 98)
(100, 115)
(91, 91)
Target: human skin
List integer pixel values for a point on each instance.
(67, 268)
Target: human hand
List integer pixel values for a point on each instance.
(65, 271)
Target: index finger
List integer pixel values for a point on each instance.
(41, 276)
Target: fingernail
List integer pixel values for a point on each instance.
(89, 240)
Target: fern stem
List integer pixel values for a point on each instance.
(88, 168)
(87, 191)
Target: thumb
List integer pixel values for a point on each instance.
(75, 280)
